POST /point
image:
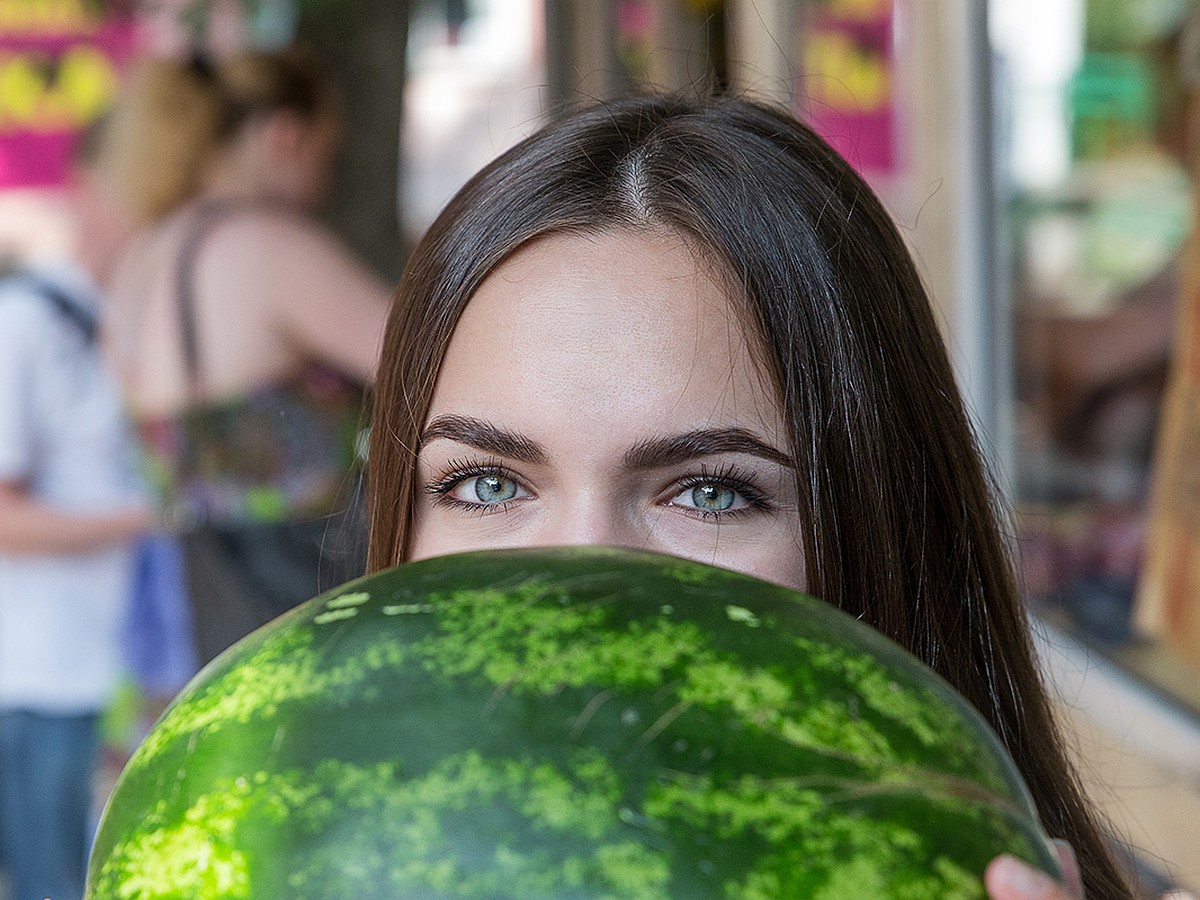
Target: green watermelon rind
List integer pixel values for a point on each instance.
(605, 854)
(522, 638)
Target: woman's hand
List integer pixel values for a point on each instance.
(1008, 878)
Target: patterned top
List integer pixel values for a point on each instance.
(282, 453)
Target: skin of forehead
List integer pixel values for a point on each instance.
(553, 279)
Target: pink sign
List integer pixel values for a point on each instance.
(846, 88)
(60, 64)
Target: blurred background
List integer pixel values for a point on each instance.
(1038, 156)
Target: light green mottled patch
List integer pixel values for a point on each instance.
(741, 614)
(380, 829)
(756, 695)
(195, 857)
(284, 668)
(818, 850)
(922, 712)
(406, 609)
(854, 878)
(765, 700)
(829, 724)
(957, 882)
(515, 639)
(357, 598)
(633, 871)
(778, 809)
(522, 639)
(691, 573)
(334, 615)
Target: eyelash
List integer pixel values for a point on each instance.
(728, 475)
(459, 470)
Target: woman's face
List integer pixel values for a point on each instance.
(600, 389)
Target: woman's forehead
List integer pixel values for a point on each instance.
(631, 326)
(649, 280)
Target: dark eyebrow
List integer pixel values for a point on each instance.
(485, 436)
(657, 453)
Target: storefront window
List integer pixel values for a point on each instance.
(475, 87)
(1099, 201)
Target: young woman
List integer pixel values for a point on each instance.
(690, 327)
(243, 331)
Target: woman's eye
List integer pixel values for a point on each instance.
(478, 490)
(726, 492)
(713, 497)
(489, 489)
(710, 497)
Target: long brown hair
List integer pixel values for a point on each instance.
(173, 116)
(900, 525)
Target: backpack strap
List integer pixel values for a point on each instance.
(83, 320)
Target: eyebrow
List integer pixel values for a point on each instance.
(652, 453)
(487, 437)
(656, 453)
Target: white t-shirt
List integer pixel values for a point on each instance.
(64, 437)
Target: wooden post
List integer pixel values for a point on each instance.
(1168, 601)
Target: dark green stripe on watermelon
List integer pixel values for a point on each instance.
(564, 723)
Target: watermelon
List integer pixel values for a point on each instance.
(572, 722)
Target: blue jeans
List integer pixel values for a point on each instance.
(46, 766)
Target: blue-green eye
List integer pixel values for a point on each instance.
(481, 488)
(726, 492)
(494, 488)
(712, 497)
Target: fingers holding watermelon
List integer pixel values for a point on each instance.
(1008, 878)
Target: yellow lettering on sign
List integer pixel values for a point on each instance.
(846, 76)
(37, 97)
(21, 90)
(860, 10)
(87, 81)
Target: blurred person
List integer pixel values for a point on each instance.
(244, 333)
(72, 506)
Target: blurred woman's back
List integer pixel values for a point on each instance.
(243, 331)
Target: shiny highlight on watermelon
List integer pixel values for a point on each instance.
(580, 722)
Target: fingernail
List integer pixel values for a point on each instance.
(1024, 878)
(1065, 849)
(1068, 863)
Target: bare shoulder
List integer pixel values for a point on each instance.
(273, 233)
(311, 291)
(141, 258)
(289, 256)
